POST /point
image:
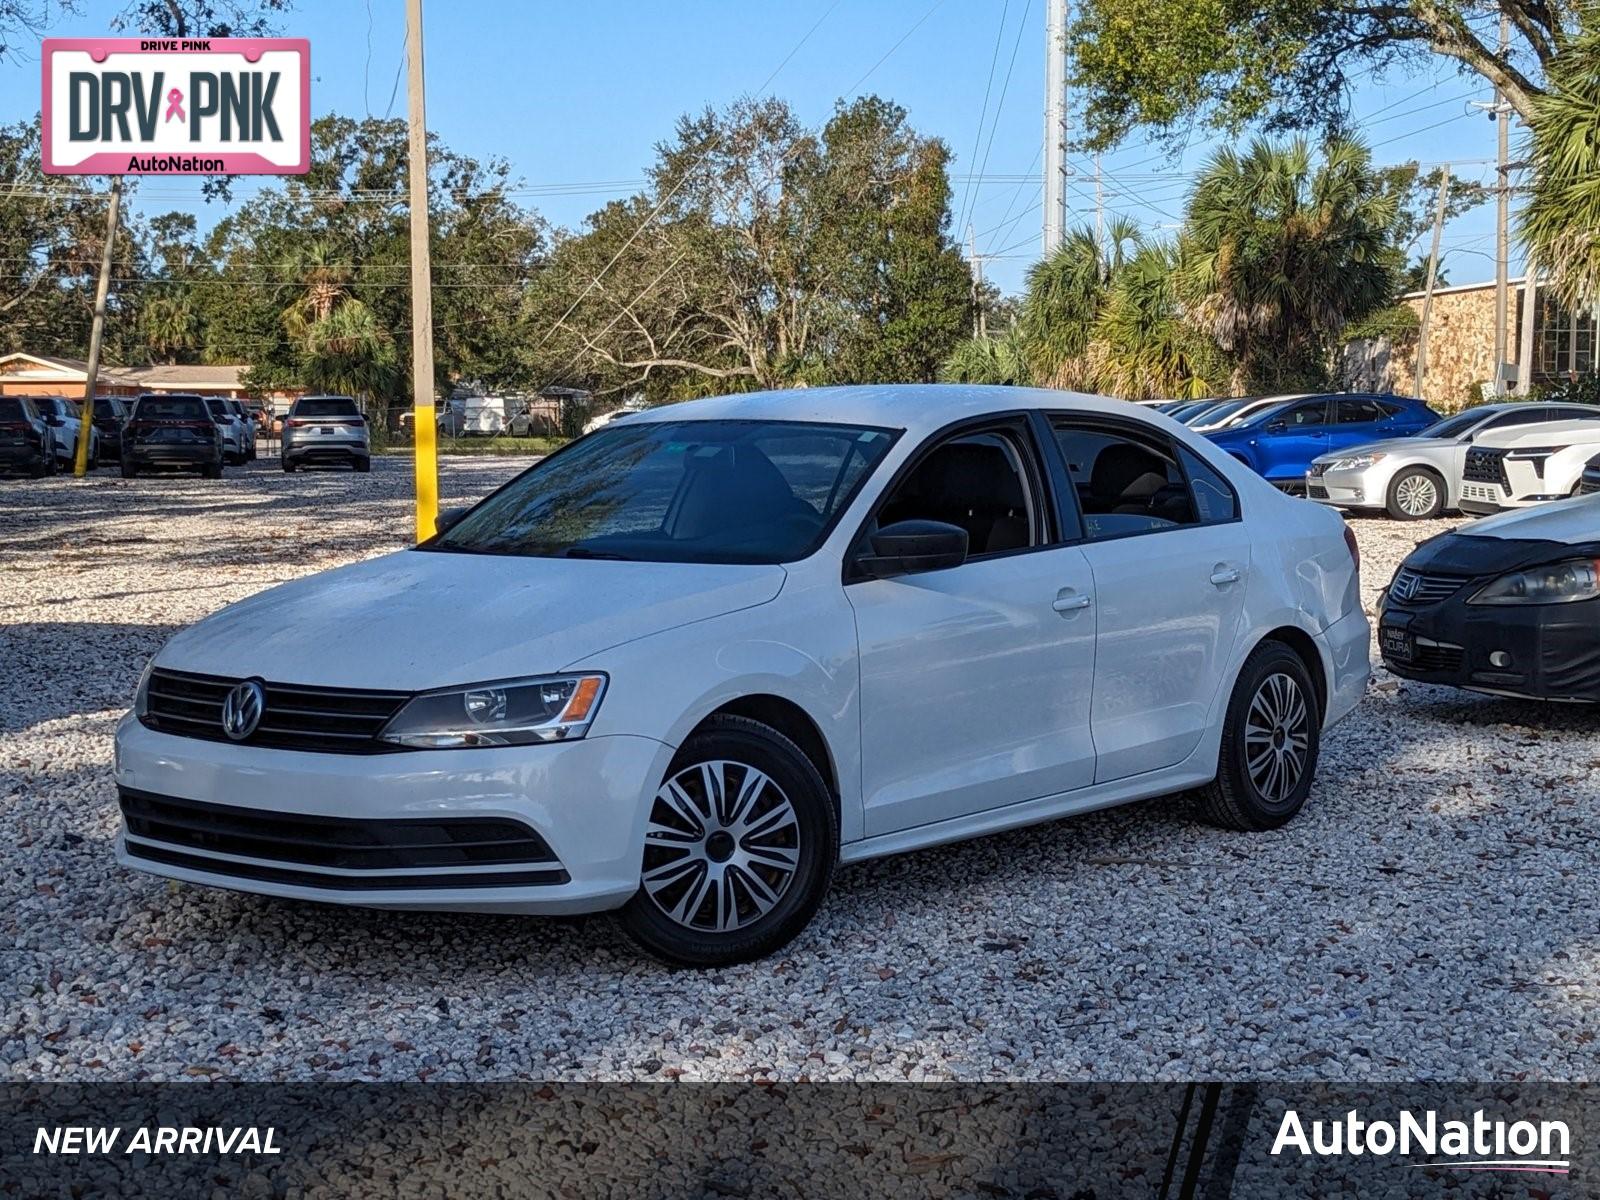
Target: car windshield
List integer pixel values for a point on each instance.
(1452, 427)
(170, 408)
(679, 491)
(326, 406)
(1223, 411)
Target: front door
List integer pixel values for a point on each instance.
(975, 679)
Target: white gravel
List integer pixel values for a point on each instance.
(1431, 915)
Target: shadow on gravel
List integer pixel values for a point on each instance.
(55, 669)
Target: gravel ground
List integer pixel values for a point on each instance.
(1430, 916)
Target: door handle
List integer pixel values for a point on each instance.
(1068, 601)
(1222, 575)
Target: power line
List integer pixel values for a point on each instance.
(983, 113)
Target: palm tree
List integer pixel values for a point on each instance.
(1064, 297)
(170, 324)
(1278, 254)
(1561, 224)
(317, 283)
(350, 353)
(1141, 348)
(988, 360)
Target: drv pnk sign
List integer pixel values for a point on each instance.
(171, 106)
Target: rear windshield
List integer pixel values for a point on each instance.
(170, 408)
(219, 408)
(106, 408)
(13, 408)
(325, 406)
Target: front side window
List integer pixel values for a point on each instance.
(1126, 481)
(1302, 415)
(679, 491)
(977, 482)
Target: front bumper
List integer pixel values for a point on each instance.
(1345, 489)
(586, 800)
(1552, 651)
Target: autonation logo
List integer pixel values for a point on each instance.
(1480, 1144)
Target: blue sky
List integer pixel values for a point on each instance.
(578, 94)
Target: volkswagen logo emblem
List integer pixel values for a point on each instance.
(1405, 584)
(241, 711)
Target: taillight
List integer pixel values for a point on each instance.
(1353, 545)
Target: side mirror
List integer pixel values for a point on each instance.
(907, 547)
(448, 517)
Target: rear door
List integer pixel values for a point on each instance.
(1359, 419)
(1171, 562)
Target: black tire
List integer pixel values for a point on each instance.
(129, 471)
(1407, 491)
(211, 471)
(1238, 798)
(363, 465)
(287, 465)
(741, 741)
(41, 468)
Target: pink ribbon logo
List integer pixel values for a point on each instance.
(175, 105)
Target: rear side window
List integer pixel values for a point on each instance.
(170, 408)
(325, 406)
(1361, 410)
(1126, 481)
(1214, 499)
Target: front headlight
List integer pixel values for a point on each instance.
(510, 712)
(1557, 583)
(1353, 462)
(1532, 453)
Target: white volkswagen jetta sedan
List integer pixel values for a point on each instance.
(686, 665)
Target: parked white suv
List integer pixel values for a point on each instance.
(1517, 467)
(719, 647)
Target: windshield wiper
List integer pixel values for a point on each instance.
(585, 552)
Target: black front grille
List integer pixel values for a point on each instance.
(1416, 589)
(1590, 482)
(1486, 466)
(1436, 658)
(190, 830)
(1316, 491)
(330, 720)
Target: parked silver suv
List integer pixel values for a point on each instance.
(326, 429)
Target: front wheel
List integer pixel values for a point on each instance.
(1415, 494)
(1270, 740)
(739, 849)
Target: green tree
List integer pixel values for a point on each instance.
(1279, 252)
(1142, 348)
(1002, 360)
(1064, 297)
(1561, 223)
(1168, 65)
(170, 325)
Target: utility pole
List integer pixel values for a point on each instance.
(97, 332)
(1433, 274)
(980, 326)
(1502, 240)
(424, 425)
(1530, 292)
(1099, 210)
(1055, 125)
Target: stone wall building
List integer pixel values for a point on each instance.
(1461, 346)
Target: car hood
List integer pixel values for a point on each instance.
(1551, 433)
(1573, 522)
(1403, 445)
(421, 619)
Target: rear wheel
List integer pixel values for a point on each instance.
(739, 850)
(128, 469)
(1270, 740)
(212, 470)
(363, 465)
(1415, 494)
(287, 465)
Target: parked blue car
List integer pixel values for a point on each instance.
(1280, 442)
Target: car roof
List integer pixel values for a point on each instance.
(914, 407)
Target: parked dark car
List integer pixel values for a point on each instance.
(110, 415)
(26, 443)
(1508, 605)
(171, 431)
(1280, 442)
(326, 429)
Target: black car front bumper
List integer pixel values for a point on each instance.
(1535, 651)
